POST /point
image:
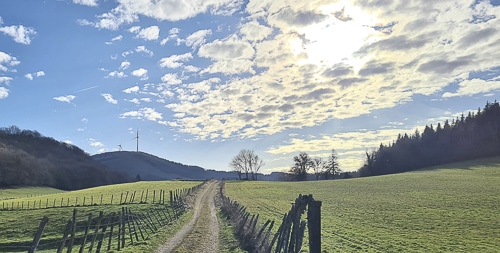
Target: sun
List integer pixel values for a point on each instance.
(337, 38)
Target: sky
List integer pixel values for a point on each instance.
(202, 79)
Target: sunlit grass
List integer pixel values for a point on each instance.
(14, 193)
(445, 209)
(19, 226)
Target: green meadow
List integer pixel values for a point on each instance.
(19, 226)
(453, 208)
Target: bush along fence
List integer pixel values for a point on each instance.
(113, 231)
(257, 238)
(145, 197)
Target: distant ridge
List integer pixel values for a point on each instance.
(148, 167)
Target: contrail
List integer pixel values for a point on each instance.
(89, 88)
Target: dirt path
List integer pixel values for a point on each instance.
(201, 234)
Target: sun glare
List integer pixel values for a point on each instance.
(335, 39)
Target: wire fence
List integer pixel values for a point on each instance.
(155, 196)
(257, 238)
(97, 232)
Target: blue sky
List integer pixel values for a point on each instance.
(201, 80)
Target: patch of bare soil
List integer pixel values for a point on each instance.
(201, 234)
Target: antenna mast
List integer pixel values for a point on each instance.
(137, 140)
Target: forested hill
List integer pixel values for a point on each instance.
(29, 159)
(468, 137)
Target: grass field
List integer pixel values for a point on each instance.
(19, 226)
(15, 193)
(454, 208)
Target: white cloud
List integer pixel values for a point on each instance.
(197, 38)
(143, 113)
(4, 92)
(118, 74)
(141, 73)
(149, 33)
(109, 98)
(473, 87)
(350, 146)
(133, 89)
(179, 10)
(66, 99)
(230, 67)
(134, 29)
(175, 61)
(86, 2)
(19, 33)
(191, 68)
(95, 143)
(124, 65)
(7, 61)
(5, 79)
(117, 38)
(171, 78)
(173, 34)
(143, 49)
(135, 101)
(227, 50)
(112, 20)
(254, 31)
(30, 76)
(315, 61)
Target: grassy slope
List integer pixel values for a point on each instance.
(20, 226)
(452, 208)
(14, 193)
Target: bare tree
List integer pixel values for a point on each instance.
(303, 163)
(248, 163)
(319, 167)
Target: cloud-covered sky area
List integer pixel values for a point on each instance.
(201, 80)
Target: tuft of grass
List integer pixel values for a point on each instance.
(451, 208)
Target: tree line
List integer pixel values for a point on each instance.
(247, 165)
(321, 169)
(27, 158)
(476, 135)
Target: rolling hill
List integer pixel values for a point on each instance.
(28, 158)
(149, 167)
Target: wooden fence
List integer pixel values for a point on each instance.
(146, 197)
(113, 231)
(255, 237)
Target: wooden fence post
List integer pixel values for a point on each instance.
(84, 240)
(73, 231)
(38, 234)
(314, 226)
(65, 236)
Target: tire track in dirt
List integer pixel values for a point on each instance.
(208, 242)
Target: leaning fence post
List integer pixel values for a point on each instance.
(314, 226)
(38, 234)
(73, 231)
